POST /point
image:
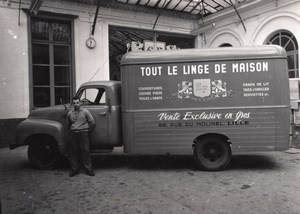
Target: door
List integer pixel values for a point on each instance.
(94, 100)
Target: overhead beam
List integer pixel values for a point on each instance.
(157, 3)
(140, 8)
(95, 18)
(158, 14)
(203, 9)
(194, 8)
(169, 1)
(35, 6)
(187, 5)
(177, 4)
(237, 12)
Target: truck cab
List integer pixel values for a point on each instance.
(103, 100)
(46, 130)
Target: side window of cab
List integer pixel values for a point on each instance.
(93, 96)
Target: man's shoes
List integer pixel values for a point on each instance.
(73, 173)
(90, 173)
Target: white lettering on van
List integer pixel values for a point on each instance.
(190, 116)
(220, 68)
(202, 116)
(151, 71)
(195, 69)
(242, 115)
(166, 116)
(172, 70)
(250, 67)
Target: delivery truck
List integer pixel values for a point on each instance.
(207, 103)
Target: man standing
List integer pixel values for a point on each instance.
(81, 122)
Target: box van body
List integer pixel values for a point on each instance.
(171, 99)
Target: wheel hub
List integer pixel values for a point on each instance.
(212, 154)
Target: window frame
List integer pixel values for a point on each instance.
(98, 98)
(59, 18)
(282, 34)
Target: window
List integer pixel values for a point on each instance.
(93, 96)
(51, 61)
(288, 41)
(225, 45)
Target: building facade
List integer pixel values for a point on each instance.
(49, 50)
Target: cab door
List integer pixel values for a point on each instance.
(94, 100)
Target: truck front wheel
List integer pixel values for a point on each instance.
(43, 154)
(212, 154)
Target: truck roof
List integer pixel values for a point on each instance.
(103, 82)
(196, 54)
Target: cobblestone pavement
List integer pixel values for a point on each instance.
(264, 183)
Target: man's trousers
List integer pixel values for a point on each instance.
(79, 151)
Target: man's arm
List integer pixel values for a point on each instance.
(90, 120)
(69, 119)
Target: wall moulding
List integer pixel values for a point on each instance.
(227, 36)
(274, 22)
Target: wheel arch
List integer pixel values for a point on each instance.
(37, 129)
(35, 138)
(222, 137)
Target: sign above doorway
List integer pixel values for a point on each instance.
(148, 45)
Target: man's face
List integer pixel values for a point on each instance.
(76, 104)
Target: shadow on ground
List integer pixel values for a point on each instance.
(169, 162)
(253, 162)
(178, 162)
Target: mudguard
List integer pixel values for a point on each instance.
(31, 127)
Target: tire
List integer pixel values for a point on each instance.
(212, 154)
(43, 155)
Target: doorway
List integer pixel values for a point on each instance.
(122, 40)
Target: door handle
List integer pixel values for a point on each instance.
(102, 113)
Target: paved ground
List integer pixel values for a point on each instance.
(265, 183)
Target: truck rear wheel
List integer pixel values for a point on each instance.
(43, 155)
(212, 154)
